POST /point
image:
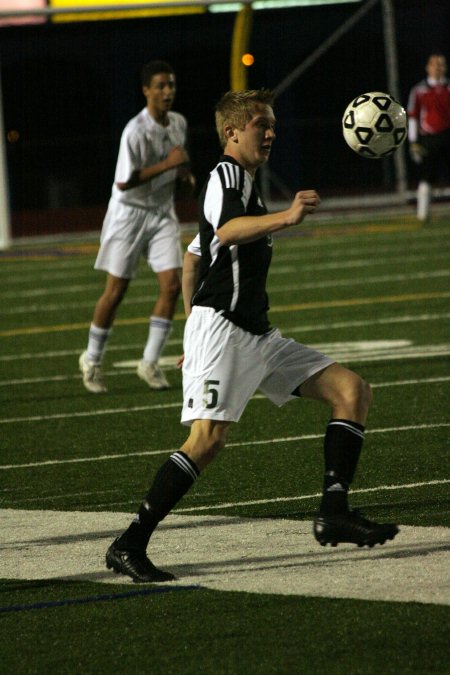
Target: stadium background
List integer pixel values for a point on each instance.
(372, 291)
(69, 89)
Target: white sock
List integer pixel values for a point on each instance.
(98, 338)
(158, 333)
(423, 200)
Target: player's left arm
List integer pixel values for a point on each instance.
(245, 229)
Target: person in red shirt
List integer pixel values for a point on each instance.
(429, 129)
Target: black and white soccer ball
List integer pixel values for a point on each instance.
(374, 125)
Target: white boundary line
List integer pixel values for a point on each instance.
(146, 453)
(137, 300)
(306, 328)
(302, 244)
(274, 500)
(163, 406)
(275, 270)
(132, 370)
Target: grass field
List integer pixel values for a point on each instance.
(254, 592)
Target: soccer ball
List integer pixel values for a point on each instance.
(374, 125)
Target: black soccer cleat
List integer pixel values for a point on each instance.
(135, 564)
(351, 527)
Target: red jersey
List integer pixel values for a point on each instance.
(429, 104)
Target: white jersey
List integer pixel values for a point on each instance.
(144, 143)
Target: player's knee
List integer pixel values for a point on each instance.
(205, 441)
(114, 296)
(366, 395)
(356, 393)
(216, 441)
(212, 449)
(171, 288)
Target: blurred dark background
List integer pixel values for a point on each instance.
(69, 89)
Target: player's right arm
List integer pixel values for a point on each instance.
(177, 157)
(191, 266)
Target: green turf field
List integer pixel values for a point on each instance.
(375, 295)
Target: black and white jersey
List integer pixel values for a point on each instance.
(233, 278)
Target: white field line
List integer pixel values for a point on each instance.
(274, 500)
(230, 505)
(269, 441)
(225, 553)
(303, 245)
(387, 250)
(59, 289)
(306, 328)
(71, 352)
(305, 237)
(353, 264)
(313, 285)
(275, 270)
(163, 406)
(408, 318)
(63, 378)
(330, 246)
(91, 413)
(386, 278)
(422, 352)
(130, 371)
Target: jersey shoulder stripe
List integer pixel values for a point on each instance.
(231, 176)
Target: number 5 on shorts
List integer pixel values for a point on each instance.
(210, 394)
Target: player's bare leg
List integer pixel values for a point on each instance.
(109, 301)
(205, 441)
(104, 315)
(159, 329)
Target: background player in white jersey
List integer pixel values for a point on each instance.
(141, 220)
(429, 129)
(231, 350)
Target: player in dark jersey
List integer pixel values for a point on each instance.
(231, 350)
(429, 129)
(232, 187)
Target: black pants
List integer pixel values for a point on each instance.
(436, 162)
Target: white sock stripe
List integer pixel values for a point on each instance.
(349, 427)
(160, 322)
(184, 464)
(99, 331)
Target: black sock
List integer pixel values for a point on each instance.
(342, 447)
(171, 482)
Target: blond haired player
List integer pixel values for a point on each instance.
(231, 350)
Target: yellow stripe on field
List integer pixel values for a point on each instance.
(349, 302)
(360, 301)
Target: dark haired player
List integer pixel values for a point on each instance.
(141, 221)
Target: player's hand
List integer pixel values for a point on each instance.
(417, 152)
(304, 203)
(185, 185)
(180, 361)
(176, 157)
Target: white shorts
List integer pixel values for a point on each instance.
(224, 365)
(129, 232)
